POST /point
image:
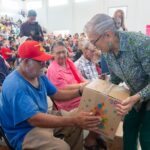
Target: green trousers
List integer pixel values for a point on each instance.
(137, 125)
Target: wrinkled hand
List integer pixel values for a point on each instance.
(126, 105)
(87, 120)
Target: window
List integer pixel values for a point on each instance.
(78, 1)
(34, 5)
(62, 32)
(7, 4)
(53, 3)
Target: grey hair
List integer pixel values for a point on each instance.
(99, 24)
(84, 44)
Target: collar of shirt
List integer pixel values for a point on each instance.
(59, 67)
(85, 60)
(123, 41)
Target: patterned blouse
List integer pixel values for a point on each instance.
(132, 64)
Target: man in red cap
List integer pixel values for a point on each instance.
(24, 108)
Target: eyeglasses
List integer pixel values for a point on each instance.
(94, 42)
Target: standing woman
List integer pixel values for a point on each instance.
(119, 19)
(128, 57)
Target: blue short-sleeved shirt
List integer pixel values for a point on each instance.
(20, 101)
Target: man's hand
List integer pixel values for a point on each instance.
(87, 120)
(82, 120)
(126, 105)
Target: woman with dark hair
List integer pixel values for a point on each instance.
(64, 75)
(119, 20)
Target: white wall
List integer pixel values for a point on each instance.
(137, 12)
(73, 16)
(84, 11)
(60, 17)
(12, 10)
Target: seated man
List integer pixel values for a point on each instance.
(85, 63)
(24, 108)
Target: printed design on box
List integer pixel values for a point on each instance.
(113, 102)
(101, 111)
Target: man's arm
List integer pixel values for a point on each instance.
(84, 120)
(50, 121)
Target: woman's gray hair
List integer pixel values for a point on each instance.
(99, 24)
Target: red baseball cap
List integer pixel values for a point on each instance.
(33, 50)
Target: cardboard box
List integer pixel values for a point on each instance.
(100, 97)
(117, 143)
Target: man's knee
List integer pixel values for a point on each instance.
(62, 145)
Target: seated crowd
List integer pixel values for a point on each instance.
(67, 63)
(37, 66)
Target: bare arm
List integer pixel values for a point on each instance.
(69, 94)
(76, 86)
(72, 87)
(83, 120)
(66, 94)
(50, 121)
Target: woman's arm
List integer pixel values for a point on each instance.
(75, 86)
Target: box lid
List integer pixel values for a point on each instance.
(107, 88)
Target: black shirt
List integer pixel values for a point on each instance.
(32, 30)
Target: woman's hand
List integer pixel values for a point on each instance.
(126, 105)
